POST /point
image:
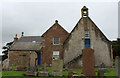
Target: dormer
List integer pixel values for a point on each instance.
(84, 11)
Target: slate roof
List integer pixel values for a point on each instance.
(27, 43)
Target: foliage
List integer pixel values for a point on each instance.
(116, 48)
(113, 63)
(5, 52)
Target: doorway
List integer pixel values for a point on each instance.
(38, 58)
(87, 43)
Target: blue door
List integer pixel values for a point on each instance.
(38, 58)
(87, 43)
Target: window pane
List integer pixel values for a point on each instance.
(86, 33)
(55, 52)
(87, 43)
(56, 40)
(55, 55)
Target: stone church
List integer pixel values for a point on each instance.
(86, 35)
(57, 43)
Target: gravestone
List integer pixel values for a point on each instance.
(100, 73)
(45, 67)
(44, 73)
(103, 67)
(117, 65)
(33, 57)
(57, 67)
(88, 62)
(5, 64)
(32, 69)
(102, 70)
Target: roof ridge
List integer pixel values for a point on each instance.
(56, 23)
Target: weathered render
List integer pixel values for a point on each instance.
(75, 43)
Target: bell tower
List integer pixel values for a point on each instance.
(84, 11)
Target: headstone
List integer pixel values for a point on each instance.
(100, 73)
(33, 57)
(43, 74)
(103, 67)
(117, 65)
(88, 62)
(102, 70)
(57, 67)
(32, 70)
(5, 64)
(45, 67)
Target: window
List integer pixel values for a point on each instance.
(56, 40)
(87, 43)
(55, 55)
(87, 34)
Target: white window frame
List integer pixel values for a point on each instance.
(87, 33)
(56, 53)
(53, 41)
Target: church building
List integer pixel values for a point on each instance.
(57, 43)
(86, 35)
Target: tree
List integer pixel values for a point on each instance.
(5, 50)
(116, 48)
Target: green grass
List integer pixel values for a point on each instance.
(13, 73)
(110, 72)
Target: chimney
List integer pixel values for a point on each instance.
(22, 34)
(15, 38)
(56, 21)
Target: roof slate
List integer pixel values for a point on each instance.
(31, 43)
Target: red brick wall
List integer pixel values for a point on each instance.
(88, 62)
(47, 51)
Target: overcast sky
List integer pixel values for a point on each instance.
(34, 18)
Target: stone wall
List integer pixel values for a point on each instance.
(75, 43)
(75, 64)
(19, 58)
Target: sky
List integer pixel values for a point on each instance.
(35, 17)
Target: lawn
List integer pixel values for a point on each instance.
(16, 74)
